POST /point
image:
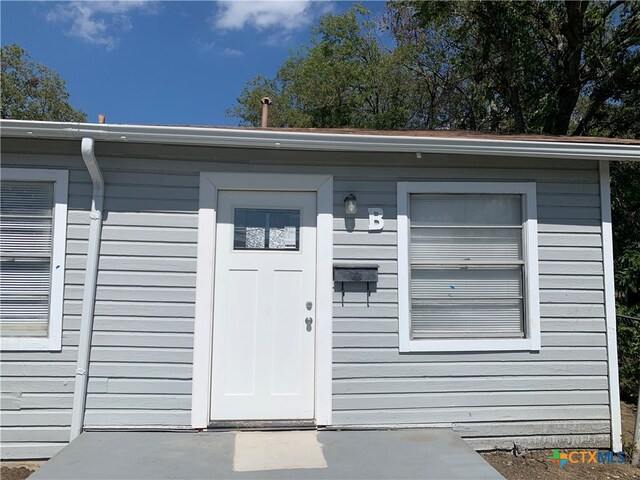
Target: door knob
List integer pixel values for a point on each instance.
(308, 320)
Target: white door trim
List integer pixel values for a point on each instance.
(210, 183)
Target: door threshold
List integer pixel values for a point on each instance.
(262, 425)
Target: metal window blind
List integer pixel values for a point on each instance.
(466, 266)
(26, 227)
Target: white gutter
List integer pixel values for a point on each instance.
(286, 140)
(89, 295)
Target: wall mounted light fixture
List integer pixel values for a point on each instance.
(350, 204)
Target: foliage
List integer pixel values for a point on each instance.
(346, 77)
(628, 446)
(31, 91)
(529, 65)
(557, 67)
(629, 358)
(625, 201)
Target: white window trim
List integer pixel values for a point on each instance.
(532, 294)
(53, 342)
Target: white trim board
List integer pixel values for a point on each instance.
(610, 307)
(210, 184)
(60, 179)
(532, 304)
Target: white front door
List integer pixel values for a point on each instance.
(264, 306)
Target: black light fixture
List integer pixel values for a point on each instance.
(350, 204)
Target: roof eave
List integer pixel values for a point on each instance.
(227, 137)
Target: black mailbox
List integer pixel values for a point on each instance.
(350, 273)
(355, 273)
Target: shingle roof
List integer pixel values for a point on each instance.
(470, 134)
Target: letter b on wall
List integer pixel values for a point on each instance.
(376, 222)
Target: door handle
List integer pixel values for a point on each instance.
(308, 321)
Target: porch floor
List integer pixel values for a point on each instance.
(302, 454)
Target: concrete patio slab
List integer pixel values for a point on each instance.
(364, 454)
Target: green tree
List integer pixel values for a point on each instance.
(552, 66)
(346, 77)
(31, 91)
(625, 203)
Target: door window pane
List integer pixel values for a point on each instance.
(266, 229)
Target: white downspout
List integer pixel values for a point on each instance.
(89, 294)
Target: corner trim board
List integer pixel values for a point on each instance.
(610, 307)
(203, 327)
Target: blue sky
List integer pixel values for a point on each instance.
(162, 62)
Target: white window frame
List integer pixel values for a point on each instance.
(60, 179)
(531, 342)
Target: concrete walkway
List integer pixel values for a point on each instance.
(310, 454)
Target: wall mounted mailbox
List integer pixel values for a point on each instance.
(355, 273)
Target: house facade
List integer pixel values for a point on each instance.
(193, 278)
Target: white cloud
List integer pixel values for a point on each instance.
(232, 52)
(212, 47)
(98, 22)
(206, 46)
(264, 15)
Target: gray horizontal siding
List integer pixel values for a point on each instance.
(467, 399)
(44, 401)
(473, 414)
(29, 449)
(142, 345)
(145, 300)
(504, 370)
(537, 434)
(389, 355)
(521, 383)
(547, 440)
(110, 417)
(493, 397)
(141, 358)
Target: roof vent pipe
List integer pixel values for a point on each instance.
(89, 294)
(266, 101)
(102, 118)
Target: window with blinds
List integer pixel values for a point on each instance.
(26, 232)
(466, 265)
